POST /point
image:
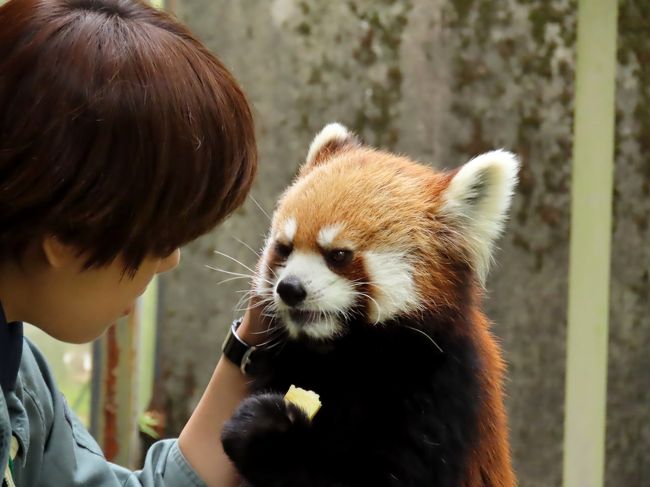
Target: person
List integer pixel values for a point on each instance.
(122, 138)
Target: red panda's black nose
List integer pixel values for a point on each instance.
(291, 291)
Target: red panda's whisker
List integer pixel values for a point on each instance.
(426, 335)
(271, 343)
(392, 299)
(344, 312)
(232, 279)
(271, 306)
(247, 246)
(247, 294)
(235, 260)
(273, 333)
(257, 254)
(229, 272)
(378, 320)
(260, 207)
(254, 306)
(271, 269)
(261, 299)
(251, 292)
(242, 300)
(238, 274)
(358, 282)
(273, 329)
(327, 285)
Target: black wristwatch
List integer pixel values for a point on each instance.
(238, 351)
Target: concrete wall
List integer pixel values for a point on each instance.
(628, 417)
(441, 81)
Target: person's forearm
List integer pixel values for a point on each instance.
(200, 440)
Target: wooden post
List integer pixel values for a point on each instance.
(123, 375)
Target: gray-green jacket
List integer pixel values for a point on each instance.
(55, 449)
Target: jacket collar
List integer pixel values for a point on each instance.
(11, 347)
(5, 433)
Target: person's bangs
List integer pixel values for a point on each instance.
(204, 162)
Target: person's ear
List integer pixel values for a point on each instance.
(59, 254)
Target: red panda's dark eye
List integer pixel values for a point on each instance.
(338, 257)
(283, 250)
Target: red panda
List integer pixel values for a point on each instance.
(373, 273)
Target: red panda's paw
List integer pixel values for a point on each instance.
(265, 435)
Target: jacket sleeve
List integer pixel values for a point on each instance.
(71, 457)
(164, 464)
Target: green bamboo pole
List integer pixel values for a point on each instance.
(591, 222)
(147, 342)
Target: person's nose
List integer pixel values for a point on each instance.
(169, 262)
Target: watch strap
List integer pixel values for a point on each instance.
(237, 350)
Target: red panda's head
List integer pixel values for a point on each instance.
(368, 235)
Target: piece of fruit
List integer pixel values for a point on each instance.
(306, 400)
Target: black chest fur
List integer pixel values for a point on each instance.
(397, 408)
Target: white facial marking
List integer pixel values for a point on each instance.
(392, 277)
(326, 235)
(290, 228)
(327, 292)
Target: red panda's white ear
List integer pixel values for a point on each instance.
(333, 138)
(477, 201)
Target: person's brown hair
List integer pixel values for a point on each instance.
(120, 132)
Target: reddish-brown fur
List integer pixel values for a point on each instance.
(348, 187)
(490, 463)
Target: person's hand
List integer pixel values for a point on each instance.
(255, 323)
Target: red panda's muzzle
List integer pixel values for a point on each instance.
(304, 317)
(291, 290)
